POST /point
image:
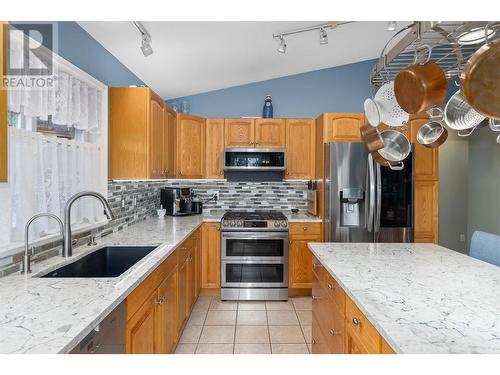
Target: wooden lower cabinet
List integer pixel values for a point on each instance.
(166, 315)
(210, 256)
(338, 326)
(140, 329)
(299, 256)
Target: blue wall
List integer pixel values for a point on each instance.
(81, 49)
(339, 89)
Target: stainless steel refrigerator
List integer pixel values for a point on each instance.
(365, 202)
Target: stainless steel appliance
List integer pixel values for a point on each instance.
(254, 256)
(108, 337)
(176, 201)
(365, 202)
(254, 164)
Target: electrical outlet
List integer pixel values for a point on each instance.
(135, 201)
(462, 237)
(123, 203)
(216, 196)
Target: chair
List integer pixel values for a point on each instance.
(486, 247)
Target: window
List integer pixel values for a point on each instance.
(57, 147)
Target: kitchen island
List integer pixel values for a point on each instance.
(421, 298)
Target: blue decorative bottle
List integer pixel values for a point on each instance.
(267, 111)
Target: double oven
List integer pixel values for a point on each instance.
(254, 256)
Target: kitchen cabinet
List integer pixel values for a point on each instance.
(188, 290)
(300, 137)
(3, 102)
(343, 127)
(136, 133)
(269, 133)
(169, 141)
(166, 315)
(183, 294)
(210, 256)
(140, 329)
(338, 325)
(426, 159)
(214, 148)
(239, 133)
(299, 256)
(190, 146)
(250, 133)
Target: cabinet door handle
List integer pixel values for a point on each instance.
(315, 298)
(160, 300)
(330, 286)
(314, 341)
(356, 321)
(315, 265)
(332, 332)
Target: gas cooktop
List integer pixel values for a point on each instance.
(254, 221)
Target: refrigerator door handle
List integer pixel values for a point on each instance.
(378, 207)
(371, 201)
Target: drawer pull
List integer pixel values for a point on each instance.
(356, 321)
(305, 228)
(316, 265)
(315, 298)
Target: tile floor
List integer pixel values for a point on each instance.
(217, 327)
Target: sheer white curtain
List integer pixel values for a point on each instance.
(44, 173)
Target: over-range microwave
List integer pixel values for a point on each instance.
(254, 159)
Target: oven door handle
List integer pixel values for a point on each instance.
(255, 236)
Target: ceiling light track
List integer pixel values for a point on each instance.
(323, 36)
(145, 39)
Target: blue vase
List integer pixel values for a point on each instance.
(267, 112)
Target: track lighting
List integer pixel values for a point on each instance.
(282, 47)
(323, 36)
(145, 39)
(391, 26)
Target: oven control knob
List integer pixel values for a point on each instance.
(283, 224)
(240, 224)
(232, 223)
(276, 224)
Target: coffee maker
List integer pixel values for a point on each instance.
(176, 201)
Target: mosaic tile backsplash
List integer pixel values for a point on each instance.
(134, 201)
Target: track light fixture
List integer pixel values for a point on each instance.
(282, 47)
(391, 26)
(145, 39)
(323, 36)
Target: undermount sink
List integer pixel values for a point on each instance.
(110, 261)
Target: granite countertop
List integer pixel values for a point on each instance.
(50, 315)
(302, 217)
(422, 298)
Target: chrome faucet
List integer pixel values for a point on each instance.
(26, 266)
(68, 244)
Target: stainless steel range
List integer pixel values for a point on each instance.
(254, 256)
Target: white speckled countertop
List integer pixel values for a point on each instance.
(422, 298)
(50, 315)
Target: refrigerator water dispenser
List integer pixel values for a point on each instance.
(352, 201)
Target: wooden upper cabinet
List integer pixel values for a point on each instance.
(426, 159)
(136, 136)
(214, 148)
(156, 138)
(3, 103)
(300, 141)
(239, 133)
(190, 146)
(269, 133)
(169, 141)
(343, 127)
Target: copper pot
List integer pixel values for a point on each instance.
(371, 138)
(480, 80)
(420, 87)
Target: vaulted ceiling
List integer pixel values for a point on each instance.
(195, 57)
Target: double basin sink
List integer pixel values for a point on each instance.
(109, 261)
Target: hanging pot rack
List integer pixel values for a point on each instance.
(440, 36)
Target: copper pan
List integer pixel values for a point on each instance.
(371, 138)
(420, 87)
(480, 80)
